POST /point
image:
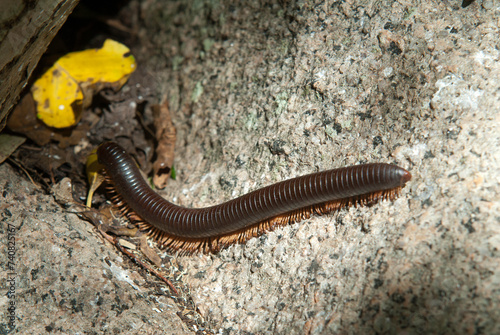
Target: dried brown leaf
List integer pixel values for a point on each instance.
(23, 120)
(166, 136)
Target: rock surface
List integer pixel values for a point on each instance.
(261, 94)
(68, 280)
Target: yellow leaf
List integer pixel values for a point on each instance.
(67, 87)
(109, 65)
(94, 176)
(58, 98)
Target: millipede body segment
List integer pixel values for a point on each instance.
(209, 229)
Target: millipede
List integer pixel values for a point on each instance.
(190, 230)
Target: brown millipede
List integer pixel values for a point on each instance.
(212, 228)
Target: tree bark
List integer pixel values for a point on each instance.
(26, 29)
